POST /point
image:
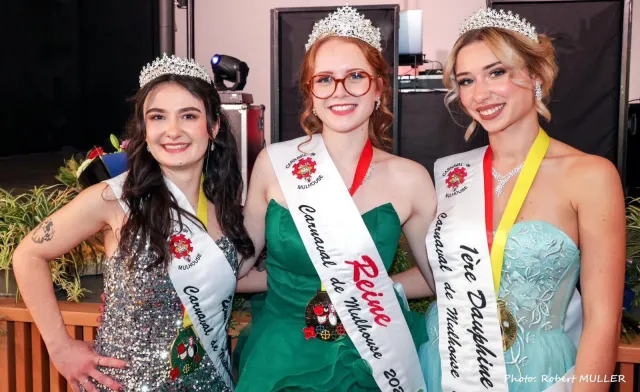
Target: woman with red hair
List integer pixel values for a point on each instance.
(332, 206)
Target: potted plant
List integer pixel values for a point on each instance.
(19, 215)
(630, 323)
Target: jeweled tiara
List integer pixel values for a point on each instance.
(173, 65)
(492, 18)
(346, 22)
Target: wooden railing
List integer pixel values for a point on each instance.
(25, 366)
(24, 362)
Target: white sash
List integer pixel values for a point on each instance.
(203, 280)
(470, 342)
(343, 253)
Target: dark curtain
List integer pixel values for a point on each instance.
(69, 67)
(587, 36)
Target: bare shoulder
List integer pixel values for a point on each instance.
(586, 174)
(593, 173)
(101, 200)
(263, 162)
(582, 167)
(404, 171)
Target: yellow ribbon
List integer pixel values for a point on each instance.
(516, 200)
(202, 215)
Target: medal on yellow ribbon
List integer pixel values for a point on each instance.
(497, 243)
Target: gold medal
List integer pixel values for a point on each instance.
(508, 325)
(497, 243)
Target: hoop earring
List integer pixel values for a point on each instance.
(378, 103)
(538, 91)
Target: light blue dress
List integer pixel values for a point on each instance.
(540, 270)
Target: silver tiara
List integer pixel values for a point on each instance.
(346, 22)
(504, 20)
(175, 66)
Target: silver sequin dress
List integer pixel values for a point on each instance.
(141, 318)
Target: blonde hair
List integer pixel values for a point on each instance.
(515, 51)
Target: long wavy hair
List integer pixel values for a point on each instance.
(515, 51)
(147, 196)
(380, 121)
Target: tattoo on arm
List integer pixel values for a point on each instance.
(44, 232)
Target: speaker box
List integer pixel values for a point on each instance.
(290, 29)
(589, 99)
(429, 132)
(247, 125)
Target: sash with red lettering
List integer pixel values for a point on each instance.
(347, 261)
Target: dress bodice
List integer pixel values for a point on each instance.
(292, 278)
(539, 274)
(277, 356)
(140, 321)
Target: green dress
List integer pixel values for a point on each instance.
(276, 356)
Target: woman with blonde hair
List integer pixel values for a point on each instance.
(517, 224)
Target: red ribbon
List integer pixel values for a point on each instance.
(363, 166)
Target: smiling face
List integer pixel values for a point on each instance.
(176, 126)
(488, 89)
(342, 111)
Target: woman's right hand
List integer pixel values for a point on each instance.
(78, 363)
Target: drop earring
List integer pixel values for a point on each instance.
(213, 146)
(378, 103)
(538, 91)
(148, 149)
(314, 112)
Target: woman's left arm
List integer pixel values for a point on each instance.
(599, 201)
(417, 185)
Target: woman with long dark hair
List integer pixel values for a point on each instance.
(173, 234)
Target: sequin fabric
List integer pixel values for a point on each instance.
(141, 318)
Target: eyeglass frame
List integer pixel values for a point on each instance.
(336, 81)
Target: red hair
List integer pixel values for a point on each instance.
(380, 121)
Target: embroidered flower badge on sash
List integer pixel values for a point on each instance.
(456, 177)
(180, 246)
(304, 169)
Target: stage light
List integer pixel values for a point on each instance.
(231, 69)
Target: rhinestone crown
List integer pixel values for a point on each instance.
(173, 65)
(346, 22)
(505, 20)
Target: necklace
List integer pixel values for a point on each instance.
(368, 174)
(502, 180)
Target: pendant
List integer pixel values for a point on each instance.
(322, 319)
(508, 326)
(186, 353)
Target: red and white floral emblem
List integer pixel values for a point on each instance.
(304, 169)
(456, 177)
(180, 246)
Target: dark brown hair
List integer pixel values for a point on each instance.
(147, 196)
